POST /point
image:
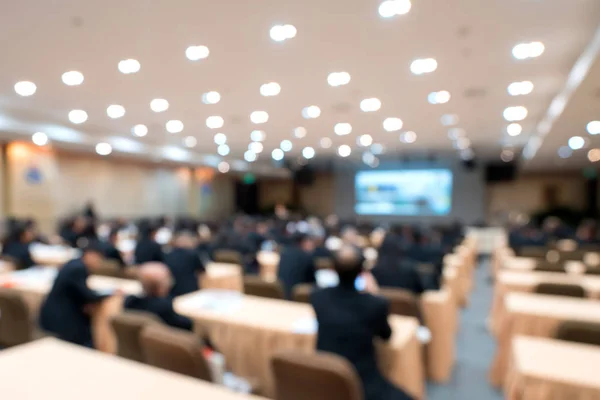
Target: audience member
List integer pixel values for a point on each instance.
(16, 246)
(110, 248)
(296, 264)
(185, 264)
(147, 248)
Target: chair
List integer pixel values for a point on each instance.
(592, 271)
(550, 267)
(579, 332)
(228, 256)
(324, 263)
(112, 270)
(560, 289)
(175, 350)
(402, 302)
(128, 326)
(16, 326)
(256, 286)
(301, 293)
(316, 376)
(533, 251)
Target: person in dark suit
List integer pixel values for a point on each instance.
(349, 321)
(393, 271)
(73, 231)
(66, 310)
(185, 264)
(156, 281)
(147, 248)
(16, 246)
(296, 264)
(110, 249)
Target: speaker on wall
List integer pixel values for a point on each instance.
(500, 172)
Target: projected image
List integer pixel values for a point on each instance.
(406, 192)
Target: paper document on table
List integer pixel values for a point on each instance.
(306, 326)
(221, 301)
(34, 275)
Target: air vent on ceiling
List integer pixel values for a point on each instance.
(341, 108)
(475, 92)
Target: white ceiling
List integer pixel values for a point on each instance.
(470, 39)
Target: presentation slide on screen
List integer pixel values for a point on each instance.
(404, 192)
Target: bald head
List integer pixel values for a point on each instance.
(348, 263)
(185, 240)
(155, 278)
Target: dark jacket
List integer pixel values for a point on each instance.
(20, 253)
(295, 267)
(62, 311)
(348, 323)
(400, 275)
(185, 266)
(112, 253)
(147, 250)
(162, 307)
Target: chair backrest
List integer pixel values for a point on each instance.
(316, 376)
(533, 251)
(560, 289)
(550, 267)
(255, 286)
(15, 320)
(402, 302)
(128, 327)
(579, 332)
(324, 263)
(175, 350)
(301, 293)
(228, 256)
(111, 270)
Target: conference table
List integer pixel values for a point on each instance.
(535, 315)
(551, 369)
(35, 283)
(248, 330)
(53, 370)
(222, 276)
(52, 255)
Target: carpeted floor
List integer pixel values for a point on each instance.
(475, 349)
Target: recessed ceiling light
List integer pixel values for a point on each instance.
(440, 97)
(455, 133)
(467, 154)
(250, 156)
(285, 145)
(270, 89)
(520, 88)
(422, 66)
(129, 66)
(507, 155)
(565, 152)
(255, 147)
(325, 143)
(195, 53)
(223, 150)
(392, 124)
(523, 51)
(576, 142)
(377, 148)
(103, 149)
(220, 139)
(365, 140)
(174, 126)
(258, 136)
(370, 105)
(39, 138)
(78, 116)
(277, 154)
(594, 155)
(259, 117)
(190, 141)
(514, 129)
(338, 78)
(279, 33)
(342, 128)
(300, 132)
(344, 150)
(214, 122)
(462, 143)
(517, 113)
(408, 137)
(211, 97)
(308, 152)
(368, 158)
(115, 111)
(391, 8)
(311, 112)
(449, 119)
(159, 105)
(25, 88)
(593, 127)
(140, 130)
(72, 78)
(223, 167)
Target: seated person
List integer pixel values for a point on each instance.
(147, 248)
(349, 321)
(66, 310)
(296, 264)
(110, 250)
(16, 246)
(156, 281)
(184, 263)
(73, 231)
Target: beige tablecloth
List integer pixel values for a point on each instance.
(222, 276)
(252, 330)
(535, 315)
(547, 369)
(268, 262)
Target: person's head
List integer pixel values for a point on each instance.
(113, 236)
(156, 279)
(185, 240)
(93, 256)
(204, 233)
(262, 228)
(79, 224)
(389, 249)
(350, 235)
(348, 264)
